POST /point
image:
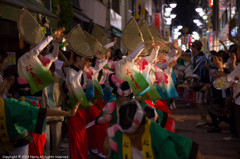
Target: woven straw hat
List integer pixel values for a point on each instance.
(147, 37)
(157, 38)
(78, 42)
(28, 27)
(100, 35)
(155, 34)
(94, 44)
(132, 36)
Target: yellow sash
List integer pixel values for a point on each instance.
(146, 144)
(5, 141)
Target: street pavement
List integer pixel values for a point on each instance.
(211, 145)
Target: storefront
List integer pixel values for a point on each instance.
(9, 12)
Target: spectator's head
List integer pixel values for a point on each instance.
(131, 117)
(220, 52)
(196, 47)
(214, 53)
(225, 57)
(3, 60)
(233, 49)
(10, 73)
(188, 51)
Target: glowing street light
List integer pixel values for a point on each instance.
(168, 9)
(175, 30)
(167, 14)
(199, 9)
(196, 21)
(199, 24)
(168, 19)
(173, 16)
(205, 17)
(168, 22)
(201, 13)
(180, 27)
(194, 32)
(173, 5)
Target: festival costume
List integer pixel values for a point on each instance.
(94, 94)
(125, 71)
(17, 118)
(35, 70)
(76, 125)
(97, 133)
(31, 69)
(164, 144)
(144, 66)
(162, 111)
(167, 89)
(78, 142)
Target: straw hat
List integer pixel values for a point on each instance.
(94, 44)
(29, 29)
(157, 38)
(147, 37)
(78, 42)
(155, 34)
(100, 35)
(132, 36)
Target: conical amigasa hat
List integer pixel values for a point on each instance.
(98, 33)
(147, 37)
(29, 29)
(155, 34)
(78, 42)
(94, 44)
(157, 38)
(131, 36)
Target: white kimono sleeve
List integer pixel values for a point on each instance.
(55, 51)
(109, 45)
(152, 57)
(134, 54)
(35, 51)
(99, 65)
(76, 77)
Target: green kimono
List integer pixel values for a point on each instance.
(16, 119)
(165, 145)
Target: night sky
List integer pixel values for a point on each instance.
(185, 12)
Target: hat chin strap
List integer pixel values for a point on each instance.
(136, 120)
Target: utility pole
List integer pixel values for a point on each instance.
(238, 21)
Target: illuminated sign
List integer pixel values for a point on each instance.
(210, 3)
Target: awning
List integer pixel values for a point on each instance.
(9, 9)
(81, 16)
